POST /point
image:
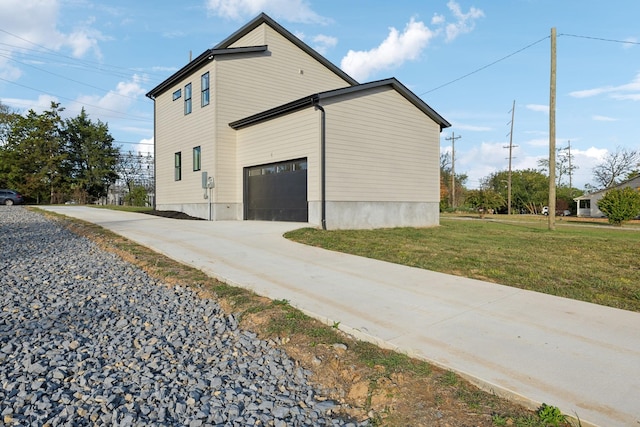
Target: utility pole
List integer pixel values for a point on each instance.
(453, 138)
(510, 146)
(570, 169)
(552, 134)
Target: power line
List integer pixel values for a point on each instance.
(120, 114)
(599, 39)
(486, 66)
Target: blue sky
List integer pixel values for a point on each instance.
(469, 60)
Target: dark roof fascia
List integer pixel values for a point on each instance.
(198, 62)
(604, 190)
(400, 88)
(309, 101)
(298, 104)
(264, 18)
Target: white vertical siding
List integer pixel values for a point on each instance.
(380, 147)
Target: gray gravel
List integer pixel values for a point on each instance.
(88, 339)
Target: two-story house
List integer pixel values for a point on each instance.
(277, 132)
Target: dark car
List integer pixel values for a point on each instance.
(10, 197)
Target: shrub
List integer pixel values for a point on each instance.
(620, 205)
(137, 196)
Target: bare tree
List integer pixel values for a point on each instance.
(565, 165)
(616, 167)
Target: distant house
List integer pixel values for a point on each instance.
(279, 133)
(588, 203)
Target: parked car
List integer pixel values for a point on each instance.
(565, 212)
(10, 197)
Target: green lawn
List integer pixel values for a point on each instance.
(594, 264)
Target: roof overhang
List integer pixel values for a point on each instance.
(205, 57)
(316, 99)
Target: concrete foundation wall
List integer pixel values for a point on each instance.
(219, 211)
(369, 215)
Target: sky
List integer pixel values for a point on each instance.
(470, 60)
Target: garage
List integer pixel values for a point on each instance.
(276, 191)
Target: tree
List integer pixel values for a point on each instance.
(484, 200)
(529, 189)
(565, 165)
(91, 157)
(616, 167)
(445, 183)
(620, 205)
(34, 155)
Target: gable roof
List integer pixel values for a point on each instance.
(628, 183)
(223, 48)
(263, 18)
(197, 63)
(315, 99)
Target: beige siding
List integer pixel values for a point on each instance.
(249, 84)
(380, 147)
(177, 132)
(290, 137)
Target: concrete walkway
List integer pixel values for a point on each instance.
(580, 357)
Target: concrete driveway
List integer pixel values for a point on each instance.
(532, 347)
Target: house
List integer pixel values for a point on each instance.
(588, 203)
(262, 127)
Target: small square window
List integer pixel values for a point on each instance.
(177, 94)
(197, 158)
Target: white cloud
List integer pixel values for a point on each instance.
(323, 43)
(465, 21)
(392, 52)
(145, 146)
(289, 10)
(116, 101)
(473, 128)
(32, 24)
(628, 91)
(39, 105)
(604, 119)
(631, 42)
(538, 108)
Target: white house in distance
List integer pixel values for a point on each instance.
(588, 203)
(280, 133)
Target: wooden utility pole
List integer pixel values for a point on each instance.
(453, 138)
(552, 135)
(570, 168)
(513, 111)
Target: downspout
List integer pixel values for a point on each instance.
(323, 170)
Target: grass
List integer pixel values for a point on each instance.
(593, 264)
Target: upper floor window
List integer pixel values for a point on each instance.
(197, 158)
(187, 99)
(205, 89)
(177, 94)
(177, 167)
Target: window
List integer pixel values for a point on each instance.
(178, 166)
(204, 84)
(196, 158)
(187, 99)
(177, 94)
(585, 204)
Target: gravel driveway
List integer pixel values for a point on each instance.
(88, 339)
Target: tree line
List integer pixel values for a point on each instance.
(54, 160)
(530, 187)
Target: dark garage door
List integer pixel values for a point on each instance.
(276, 192)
